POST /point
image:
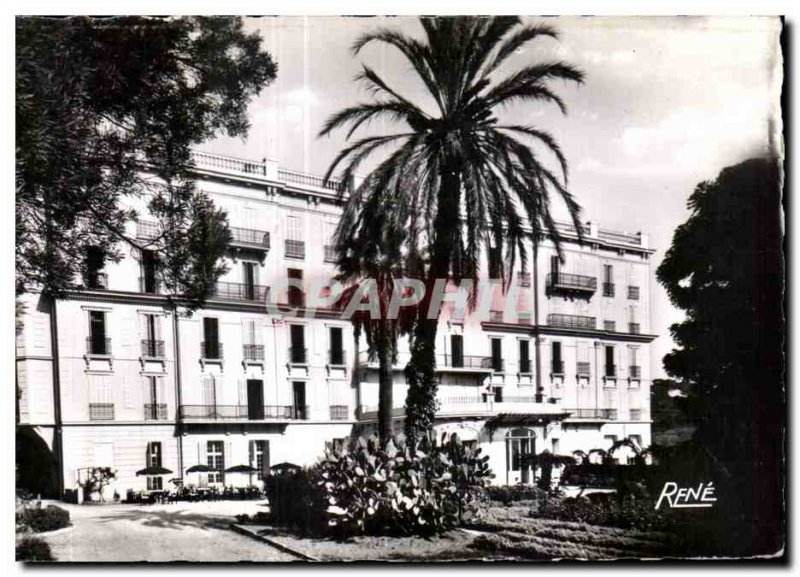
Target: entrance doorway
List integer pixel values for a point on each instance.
(520, 447)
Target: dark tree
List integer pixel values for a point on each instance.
(458, 180)
(725, 270)
(107, 111)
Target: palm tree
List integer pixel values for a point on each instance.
(457, 181)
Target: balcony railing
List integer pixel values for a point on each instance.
(98, 346)
(253, 352)
(295, 248)
(635, 371)
(211, 350)
(557, 367)
(298, 355)
(602, 414)
(525, 366)
(571, 321)
(634, 328)
(147, 230)
(463, 362)
(633, 293)
(155, 412)
(583, 369)
(635, 414)
(608, 289)
(330, 253)
(524, 279)
(339, 413)
(243, 412)
(496, 316)
(610, 326)
(149, 285)
(498, 365)
(152, 349)
(234, 291)
(101, 411)
(561, 281)
(249, 237)
(311, 180)
(611, 371)
(337, 358)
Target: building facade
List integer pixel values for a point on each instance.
(114, 375)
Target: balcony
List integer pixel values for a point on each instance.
(475, 405)
(634, 328)
(583, 369)
(464, 362)
(155, 412)
(339, 413)
(101, 411)
(211, 350)
(571, 321)
(298, 355)
(250, 238)
(524, 279)
(147, 230)
(99, 347)
(330, 253)
(337, 358)
(242, 413)
(570, 283)
(633, 293)
(611, 372)
(609, 326)
(496, 316)
(635, 414)
(608, 289)
(593, 414)
(635, 372)
(525, 366)
(149, 285)
(234, 291)
(294, 249)
(557, 367)
(253, 352)
(152, 349)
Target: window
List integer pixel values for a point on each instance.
(155, 409)
(149, 266)
(634, 370)
(95, 262)
(250, 276)
(295, 242)
(583, 364)
(330, 247)
(557, 365)
(495, 262)
(215, 453)
(337, 347)
(609, 326)
(297, 351)
(98, 343)
(610, 368)
(457, 351)
(497, 355)
(554, 265)
(520, 444)
(253, 348)
(610, 439)
(295, 293)
(524, 356)
(556, 446)
(633, 324)
(299, 400)
(212, 349)
(608, 280)
(152, 345)
(259, 458)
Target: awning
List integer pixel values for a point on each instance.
(153, 471)
(524, 419)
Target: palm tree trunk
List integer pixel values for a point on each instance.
(421, 404)
(385, 387)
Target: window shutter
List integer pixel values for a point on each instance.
(129, 399)
(242, 392)
(162, 395)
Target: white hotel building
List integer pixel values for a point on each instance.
(113, 378)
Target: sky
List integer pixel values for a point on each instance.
(667, 103)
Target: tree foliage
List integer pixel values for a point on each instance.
(456, 181)
(97, 101)
(725, 270)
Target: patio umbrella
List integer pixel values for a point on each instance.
(241, 469)
(199, 469)
(281, 467)
(153, 471)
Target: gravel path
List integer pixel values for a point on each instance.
(177, 532)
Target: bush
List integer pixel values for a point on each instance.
(606, 509)
(374, 490)
(260, 518)
(39, 519)
(511, 493)
(33, 549)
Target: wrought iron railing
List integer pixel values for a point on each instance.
(243, 412)
(96, 280)
(235, 291)
(298, 355)
(635, 371)
(253, 352)
(337, 357)
(330, 253)
(101, 411)
(464, 361)
(339, 412)
(603, 414)
(608, 289)
(496, 316)
(153, 349)
(498, 365)
(155, 412)
(610, 371)
(557, 367)
(634, 328)
(311, 180)
(147, 230)
(610, 326)
(635, 414)
(98, 346)
(524, 279)
(524, 366)
(583, 368)
(295, 248)
(633, 293)
(250, 237)
(569, 281)
(211, 350)
(571, 321)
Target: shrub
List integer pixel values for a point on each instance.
(39, 519)
(33, 549)
(97, 478)
(260, 518)
(369, 489)
(606, 509)
(511, 493)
